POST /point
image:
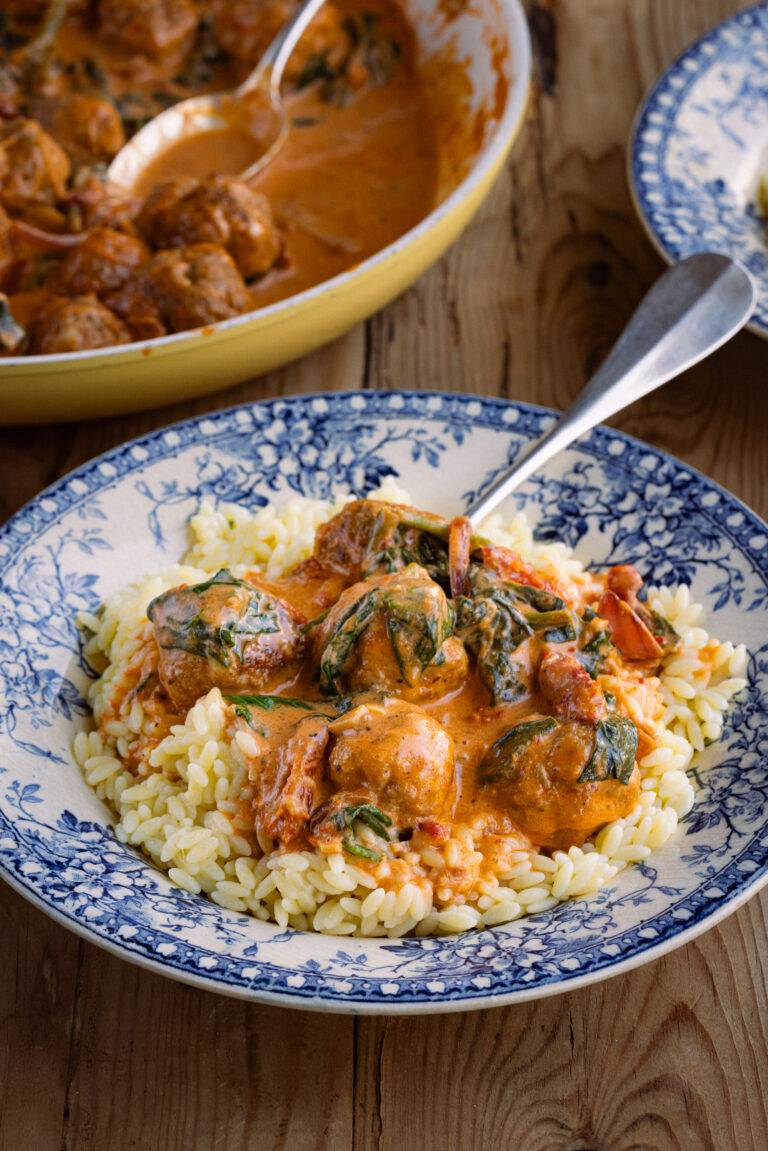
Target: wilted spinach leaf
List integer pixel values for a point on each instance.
(537, 597)
(614, 752)
(269, 702)
(215, 619)
(664, 632)
(497, 619)
(595, 644)
(327, 708)
(343, 641)
(378, 821)
(411, 546)
(503, 757)
(417, 618)
(558, 626)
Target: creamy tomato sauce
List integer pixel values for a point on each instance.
(348, 182)
(363, 685)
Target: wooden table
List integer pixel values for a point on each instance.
(98, 1055)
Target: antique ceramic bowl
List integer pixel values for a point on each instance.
(700, 146)
(490, 39)
(612, 498)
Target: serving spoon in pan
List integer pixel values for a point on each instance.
(253, 108)
(689, 312)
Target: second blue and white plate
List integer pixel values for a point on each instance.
(700, 146)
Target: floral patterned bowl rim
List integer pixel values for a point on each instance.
(698, 149)
(611, 497)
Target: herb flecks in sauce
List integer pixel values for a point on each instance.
(366, 813)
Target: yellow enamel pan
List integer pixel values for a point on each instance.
(489, 40)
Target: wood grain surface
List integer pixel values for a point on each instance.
(97, 1055)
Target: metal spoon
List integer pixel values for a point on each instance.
(215, 111)
(689, 312)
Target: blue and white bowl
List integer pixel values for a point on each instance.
(700, 145)
(614, 499)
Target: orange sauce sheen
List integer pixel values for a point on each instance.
(225, 150)
(349, 183)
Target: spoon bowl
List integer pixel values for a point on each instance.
(253, 113)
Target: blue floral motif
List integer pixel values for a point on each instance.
(697, 144)
(732, 798)
(38, 605)
(662, 528)
(615, 499)
(251, 469)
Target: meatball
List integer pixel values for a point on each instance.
(370, 536)
(88, 128)
(226, 633)
(393, 633)
(398, 751)
(94, 204)
(244, 28)
(74, 326)
(33, 168)
(218, 210)
(569, 689)
(103, 261)
(553, 778)
(325, 39)
(150, 27)
(377, 668)
(347, 541)
(180, 289)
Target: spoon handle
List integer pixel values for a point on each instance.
(692, 309)
(276, 55)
